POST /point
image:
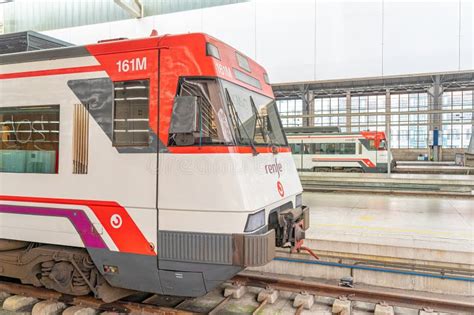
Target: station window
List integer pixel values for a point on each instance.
(408, 120)
(457, 124)
(290, 107)
(29, 139)
(331, 111)
(131, 121)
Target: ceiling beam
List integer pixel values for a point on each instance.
(133, 7)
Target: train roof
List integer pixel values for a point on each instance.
(28, 41)
(378, 135)
(227, 65)
(317, 129)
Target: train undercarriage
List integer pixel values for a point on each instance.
(323, 169)
(67, 270)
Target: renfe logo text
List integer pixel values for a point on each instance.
(274, 168)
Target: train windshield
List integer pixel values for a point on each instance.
(254, 117)
(227, 114)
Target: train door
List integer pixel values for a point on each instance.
(307, 155)
(297, 152)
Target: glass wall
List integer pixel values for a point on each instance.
(409, 121)
(336, 107)
(457, 124)
(411, 116)
(373, 108)
(290, 107)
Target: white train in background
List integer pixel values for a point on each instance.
(363, 152)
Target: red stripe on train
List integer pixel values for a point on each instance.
(367, 162)
(126, 235)
(40, 73)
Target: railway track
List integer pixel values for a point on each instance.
(251, 293)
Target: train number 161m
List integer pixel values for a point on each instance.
(135, 64)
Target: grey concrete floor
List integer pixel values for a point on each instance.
(431, 222)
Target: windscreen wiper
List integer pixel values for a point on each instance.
(263, 131)
(237, 118)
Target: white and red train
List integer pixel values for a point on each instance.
(365, 152)
(156, 164)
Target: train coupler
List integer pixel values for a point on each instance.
(292, 224)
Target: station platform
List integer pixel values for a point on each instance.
(428, 167)
(410, 183)
(407, 242)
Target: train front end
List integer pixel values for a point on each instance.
(230, 164)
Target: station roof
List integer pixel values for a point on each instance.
(412, 82)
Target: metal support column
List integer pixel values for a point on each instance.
(470, 148)
(309, 98)
(388, 132)
(348, 111)
(435, 93)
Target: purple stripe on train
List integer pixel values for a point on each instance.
(89, 235)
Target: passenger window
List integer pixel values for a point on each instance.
(29, 139)
(346, 148)
(307, 148)
(297, 148)
(328, 148)
(317, 148)
(131, 121)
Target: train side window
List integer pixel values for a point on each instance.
(317, 148)
(328, 148)
(297, 148)
(131, 107)
(29, 139)
(346, 148)
(307, 148)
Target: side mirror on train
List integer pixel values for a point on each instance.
(184, 120)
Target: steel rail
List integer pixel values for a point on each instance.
(87, 301)
(383, 261)
(359, 294)
(377, 269)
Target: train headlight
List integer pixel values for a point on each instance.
(299, 200)
(255, 220)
